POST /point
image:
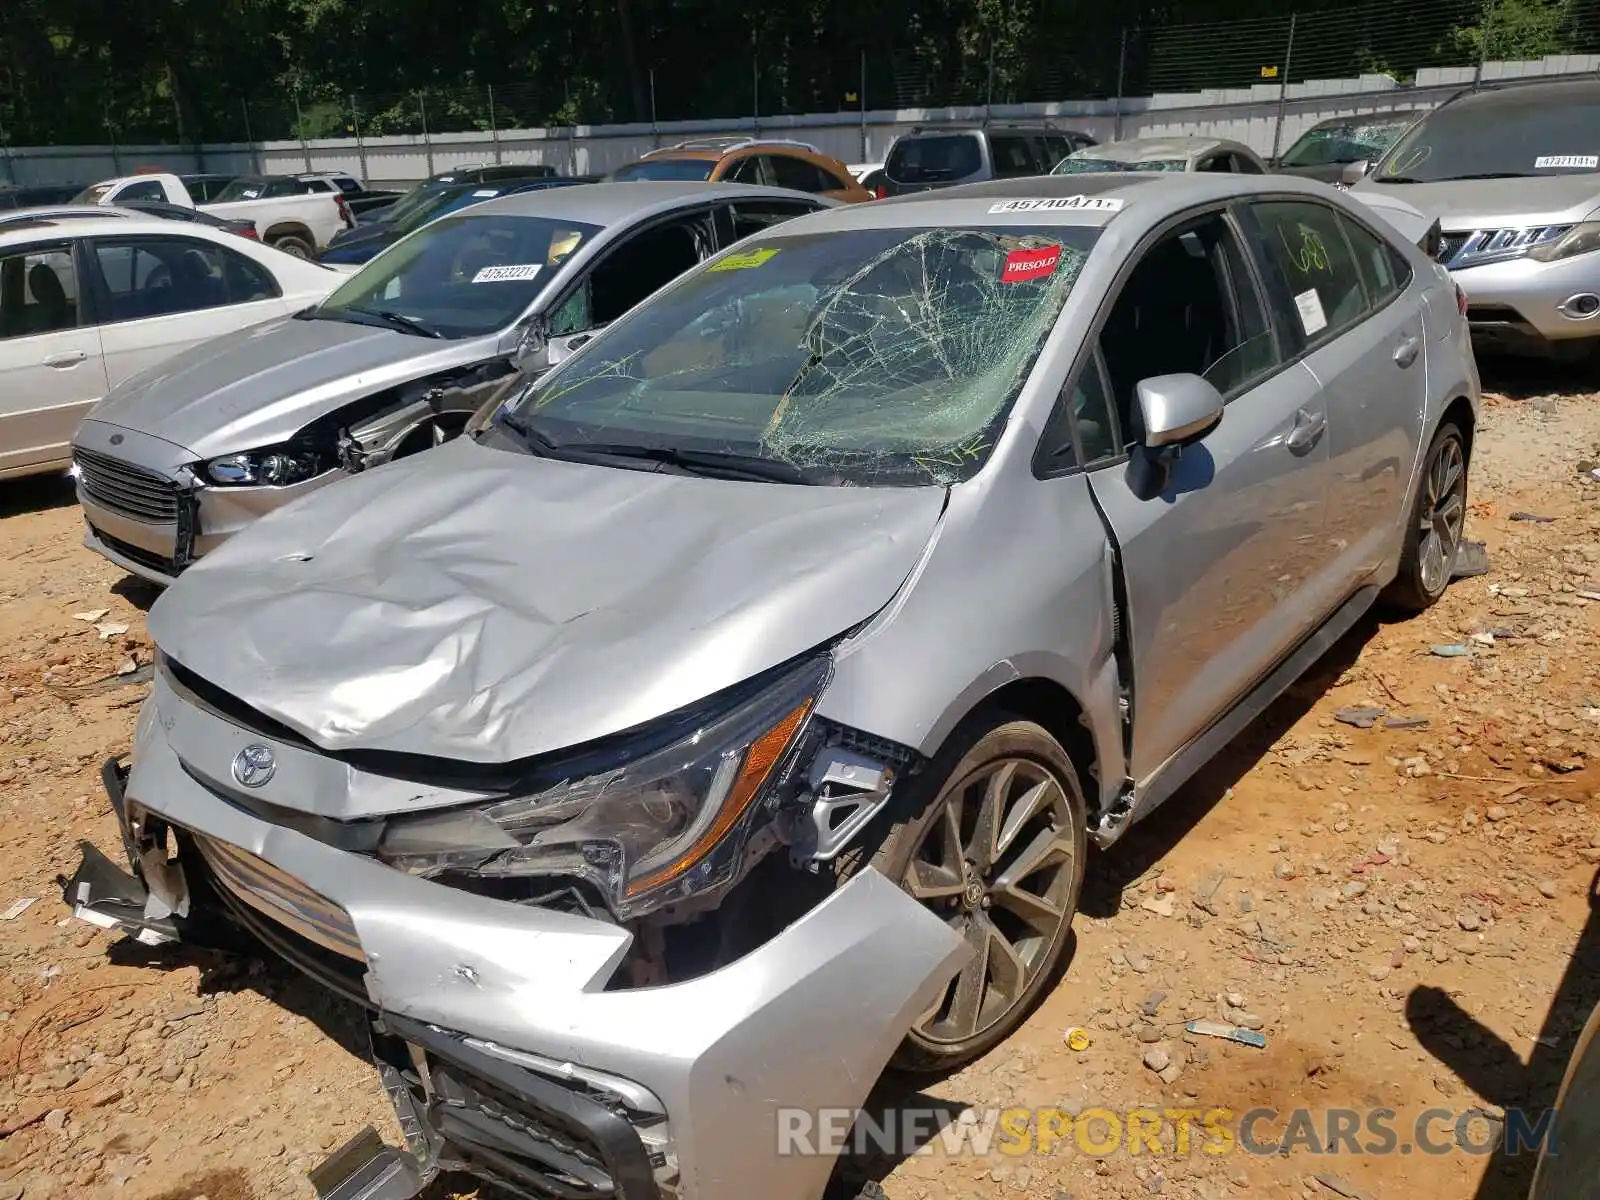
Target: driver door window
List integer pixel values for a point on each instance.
(1189, 307)
(643, 264)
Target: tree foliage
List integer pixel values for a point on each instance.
(92, 71)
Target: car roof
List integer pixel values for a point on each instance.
(1155, 194)
(922, 131)
(605, 204)
(1518, 92)
(1395, 116)
(92, 226)
(1142, 149)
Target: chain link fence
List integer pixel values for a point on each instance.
(1053, 59)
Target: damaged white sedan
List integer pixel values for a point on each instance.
(732, 714)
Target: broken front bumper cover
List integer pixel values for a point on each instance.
(495, 1033)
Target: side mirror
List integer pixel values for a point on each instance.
(1356, 171)
(533, 344)
(1177, 409)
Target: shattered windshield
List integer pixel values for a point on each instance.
(1347, 142)
(461, 276)
(1074, 165)
(881, 356)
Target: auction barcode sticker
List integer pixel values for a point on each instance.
(507, 272)
(1059, 204)
(1557, 162)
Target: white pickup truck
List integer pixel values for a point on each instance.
(298, 214)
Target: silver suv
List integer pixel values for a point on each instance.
(945, 155)
(745, 699)
(1513, 175)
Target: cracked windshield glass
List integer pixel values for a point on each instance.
(458, 277)
(883, 356)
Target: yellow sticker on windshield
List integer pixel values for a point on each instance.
(743, 262)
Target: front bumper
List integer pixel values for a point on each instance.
(699, 1071)
(145, 510)
(1523, 306)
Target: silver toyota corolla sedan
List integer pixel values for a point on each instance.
(735, 711)
(175, 461)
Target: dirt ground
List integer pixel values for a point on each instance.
(1403, 913)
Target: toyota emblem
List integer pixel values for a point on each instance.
(254, 765)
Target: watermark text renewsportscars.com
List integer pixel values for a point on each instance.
(1101, 1132)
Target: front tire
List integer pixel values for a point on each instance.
(992, 838)
(1438, 519)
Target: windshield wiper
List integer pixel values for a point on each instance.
(719, 464)
(398, 321)
(1486, 175)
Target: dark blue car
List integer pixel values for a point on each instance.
(366, 242)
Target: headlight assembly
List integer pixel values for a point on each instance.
(1580, 239)
(651, 831)
(274, 466)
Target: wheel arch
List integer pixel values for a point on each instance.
(294, 229)
(1459, 410)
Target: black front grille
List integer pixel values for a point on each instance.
(1450, 244)
(143, 495)
(137, 554)
(338, 973)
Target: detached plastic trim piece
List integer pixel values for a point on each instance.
(616, 1139)
(366, 1169)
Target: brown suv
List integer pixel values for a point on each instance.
(770, 162)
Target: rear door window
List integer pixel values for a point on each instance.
(1013, 157)
(158, 277)
(1057, 147)
(1304, 241)
(149, 189)
(798, 174)
(747, 217)
(1384, 269)
(937, 158)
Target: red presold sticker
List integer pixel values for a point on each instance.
(1036, 263)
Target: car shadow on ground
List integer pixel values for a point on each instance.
(137, 592)
(1495, 1070)
(1531, 378)
(35, 493)
(1143, 848)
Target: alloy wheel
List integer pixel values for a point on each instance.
(997, 863)
(1444, 512)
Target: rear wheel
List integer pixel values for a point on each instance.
(992, 839)
(1438, 518)
(297, 246)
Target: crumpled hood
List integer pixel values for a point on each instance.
(479, 605)
(260, 385)
(1468, 204)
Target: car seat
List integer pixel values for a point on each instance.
(50, 309)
